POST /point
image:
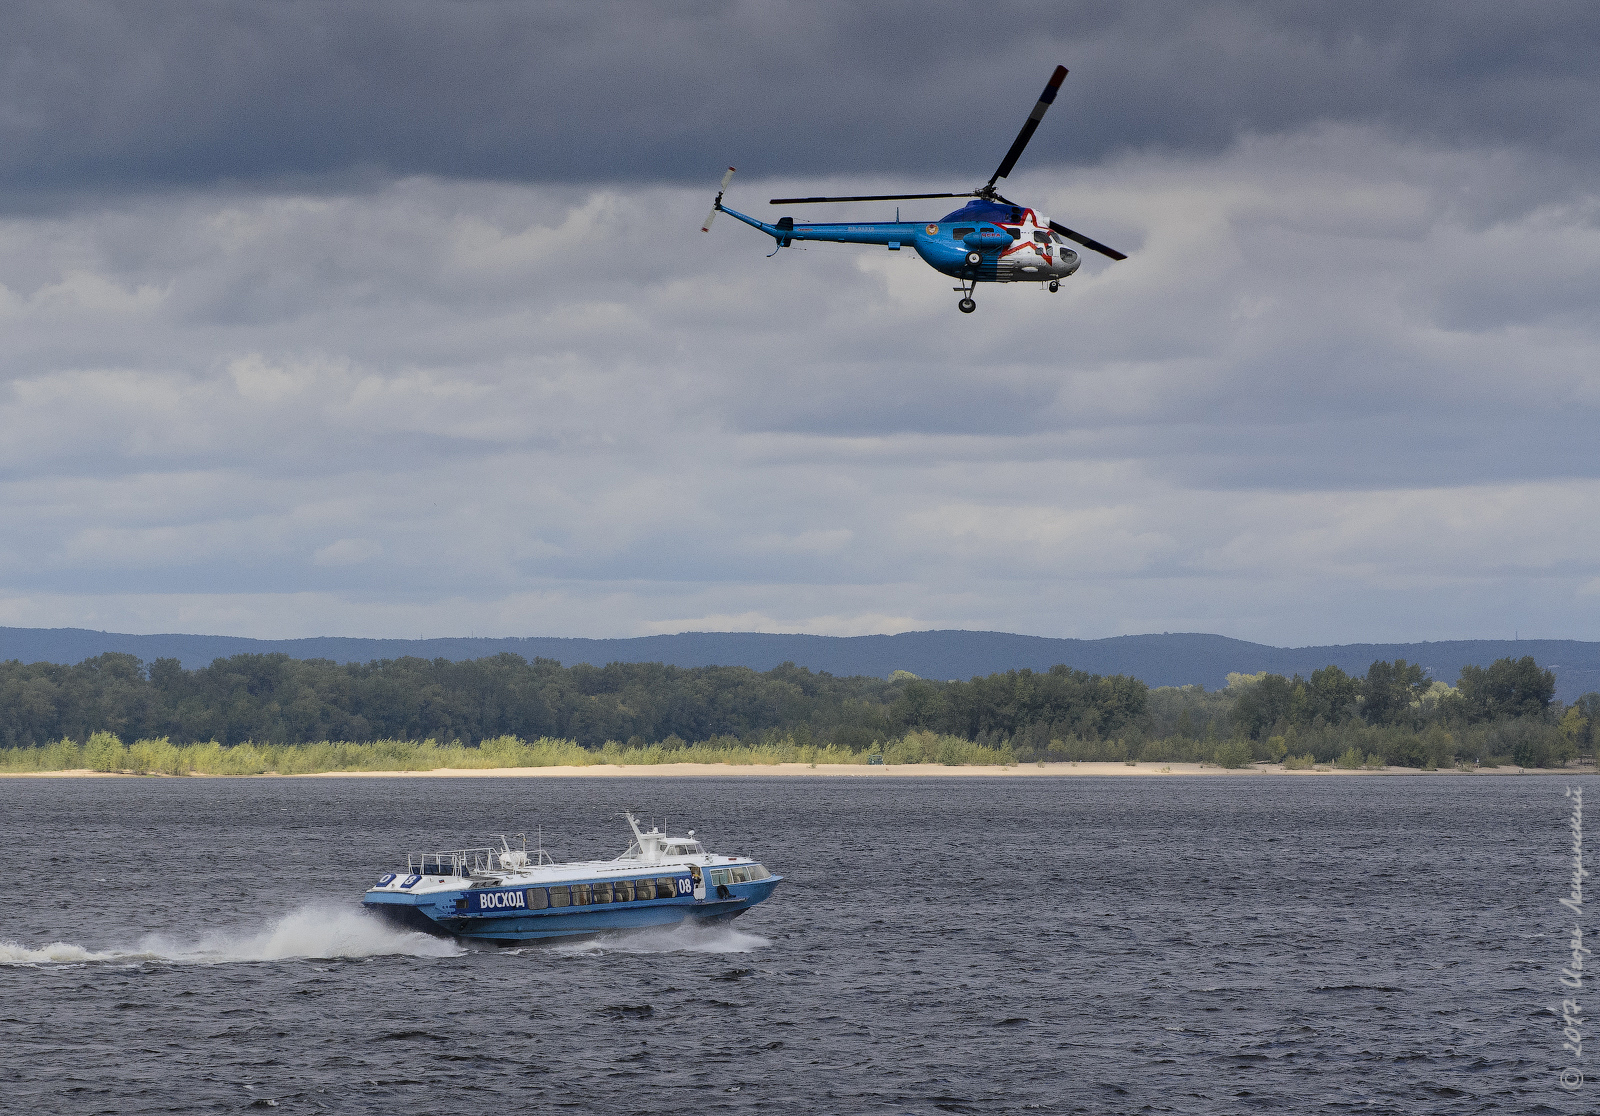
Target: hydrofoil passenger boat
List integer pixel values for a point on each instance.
(507, 895)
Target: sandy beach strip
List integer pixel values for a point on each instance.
(839, 770)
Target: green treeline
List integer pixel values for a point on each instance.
(1395, 715)
(273, 699)
(271, 712)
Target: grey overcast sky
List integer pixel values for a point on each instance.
(395, 318)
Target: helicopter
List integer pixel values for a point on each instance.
(991, 239)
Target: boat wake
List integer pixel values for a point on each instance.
(686, 937)
(310, 932)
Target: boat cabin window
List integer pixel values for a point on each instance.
(622, 891)
(962, 234)
(758, 872)
(741, 874)
(684, 848)
(580, 895)
(537, 899)
(666, 887)
(559, 896)
(600, 893)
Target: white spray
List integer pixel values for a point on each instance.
(307, 932)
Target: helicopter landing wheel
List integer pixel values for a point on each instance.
(974, 259)
(966, 306)
(1055, 285)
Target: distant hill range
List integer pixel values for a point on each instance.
(1160, 660)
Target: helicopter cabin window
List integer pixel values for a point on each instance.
(1041, 238)
(962, 234)
(1015, 234)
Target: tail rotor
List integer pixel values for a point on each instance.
(716, 205)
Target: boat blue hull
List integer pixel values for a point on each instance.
(435, 914)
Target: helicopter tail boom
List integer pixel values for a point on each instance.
(891, 233)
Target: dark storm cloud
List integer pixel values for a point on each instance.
(109, 96)
(377, 318)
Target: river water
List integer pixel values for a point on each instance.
(1202, 945)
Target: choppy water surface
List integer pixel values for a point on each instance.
(1216, 945)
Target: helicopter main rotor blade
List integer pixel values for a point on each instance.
(866, 197)
(1029, 125)
(1094, 245)
(716, 205)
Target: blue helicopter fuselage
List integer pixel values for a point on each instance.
(1011, 243)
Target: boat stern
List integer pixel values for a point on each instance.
(400, 901)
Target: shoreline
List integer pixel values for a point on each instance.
(1097, 769)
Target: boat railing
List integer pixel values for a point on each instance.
(476, 862)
